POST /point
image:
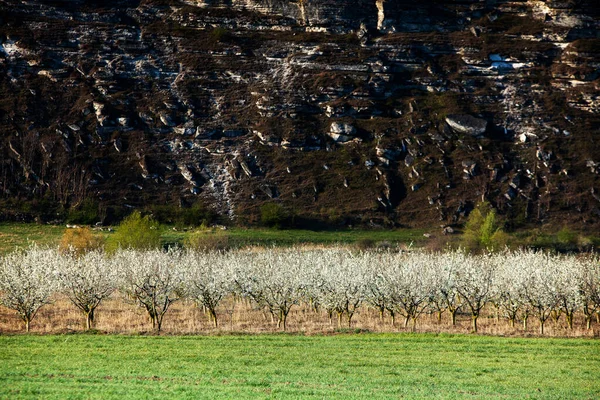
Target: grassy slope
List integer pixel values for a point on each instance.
(19, 235)
(22, 235)
(14, 235)
(290, 237)
(279, 366)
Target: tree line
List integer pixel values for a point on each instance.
(519, 286)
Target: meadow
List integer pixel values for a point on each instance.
(21, 236)
(356, 366)
(338, 303)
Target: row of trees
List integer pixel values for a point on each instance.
(515, 285)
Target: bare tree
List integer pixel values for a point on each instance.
(71, 184)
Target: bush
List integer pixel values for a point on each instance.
(365, 244)
(220, 35)
(563, 241)
(482, 230)
(136, 232)
(195, 215)
(86, 213)
(208, 240)
(273, 215)
(80, 240)
(566, 237)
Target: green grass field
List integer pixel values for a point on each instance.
(21, 235)
(16, 235)
(291, 237)
(347, 366)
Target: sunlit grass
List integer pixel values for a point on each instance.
(377, 366)
(18, 236)
(14, 236)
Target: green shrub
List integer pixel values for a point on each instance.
(136, 232)
(566, 237)
(220, 35)
(273, 215)
(562, 241)
(195, 215)
(482, 230)
(86, 214)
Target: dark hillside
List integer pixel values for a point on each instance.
(340, 111)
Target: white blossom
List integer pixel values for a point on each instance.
(153, 278)
(27, 281)
(87, 280)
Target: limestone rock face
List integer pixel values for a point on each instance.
(467, 124)
(337, 15)
(342, 133)
(350, 112)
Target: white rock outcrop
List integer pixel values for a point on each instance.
(467, 124)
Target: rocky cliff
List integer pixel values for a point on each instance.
(346, 111)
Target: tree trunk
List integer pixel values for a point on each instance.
(284, 321)
(314, 306)
(381, 314)
(414, 324)
(406, 321)
(511, 321)
(89, 320)
(340, 319)
(264, 314)
(588, 316)
(439, 316)
(474, 322)
(453, 314)
(350, 315)
(525, 318)
(159, 321)
(27, 324)
(569, 317)
(153, 317)
(213, 315)
(542, 327)
(393, 315)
